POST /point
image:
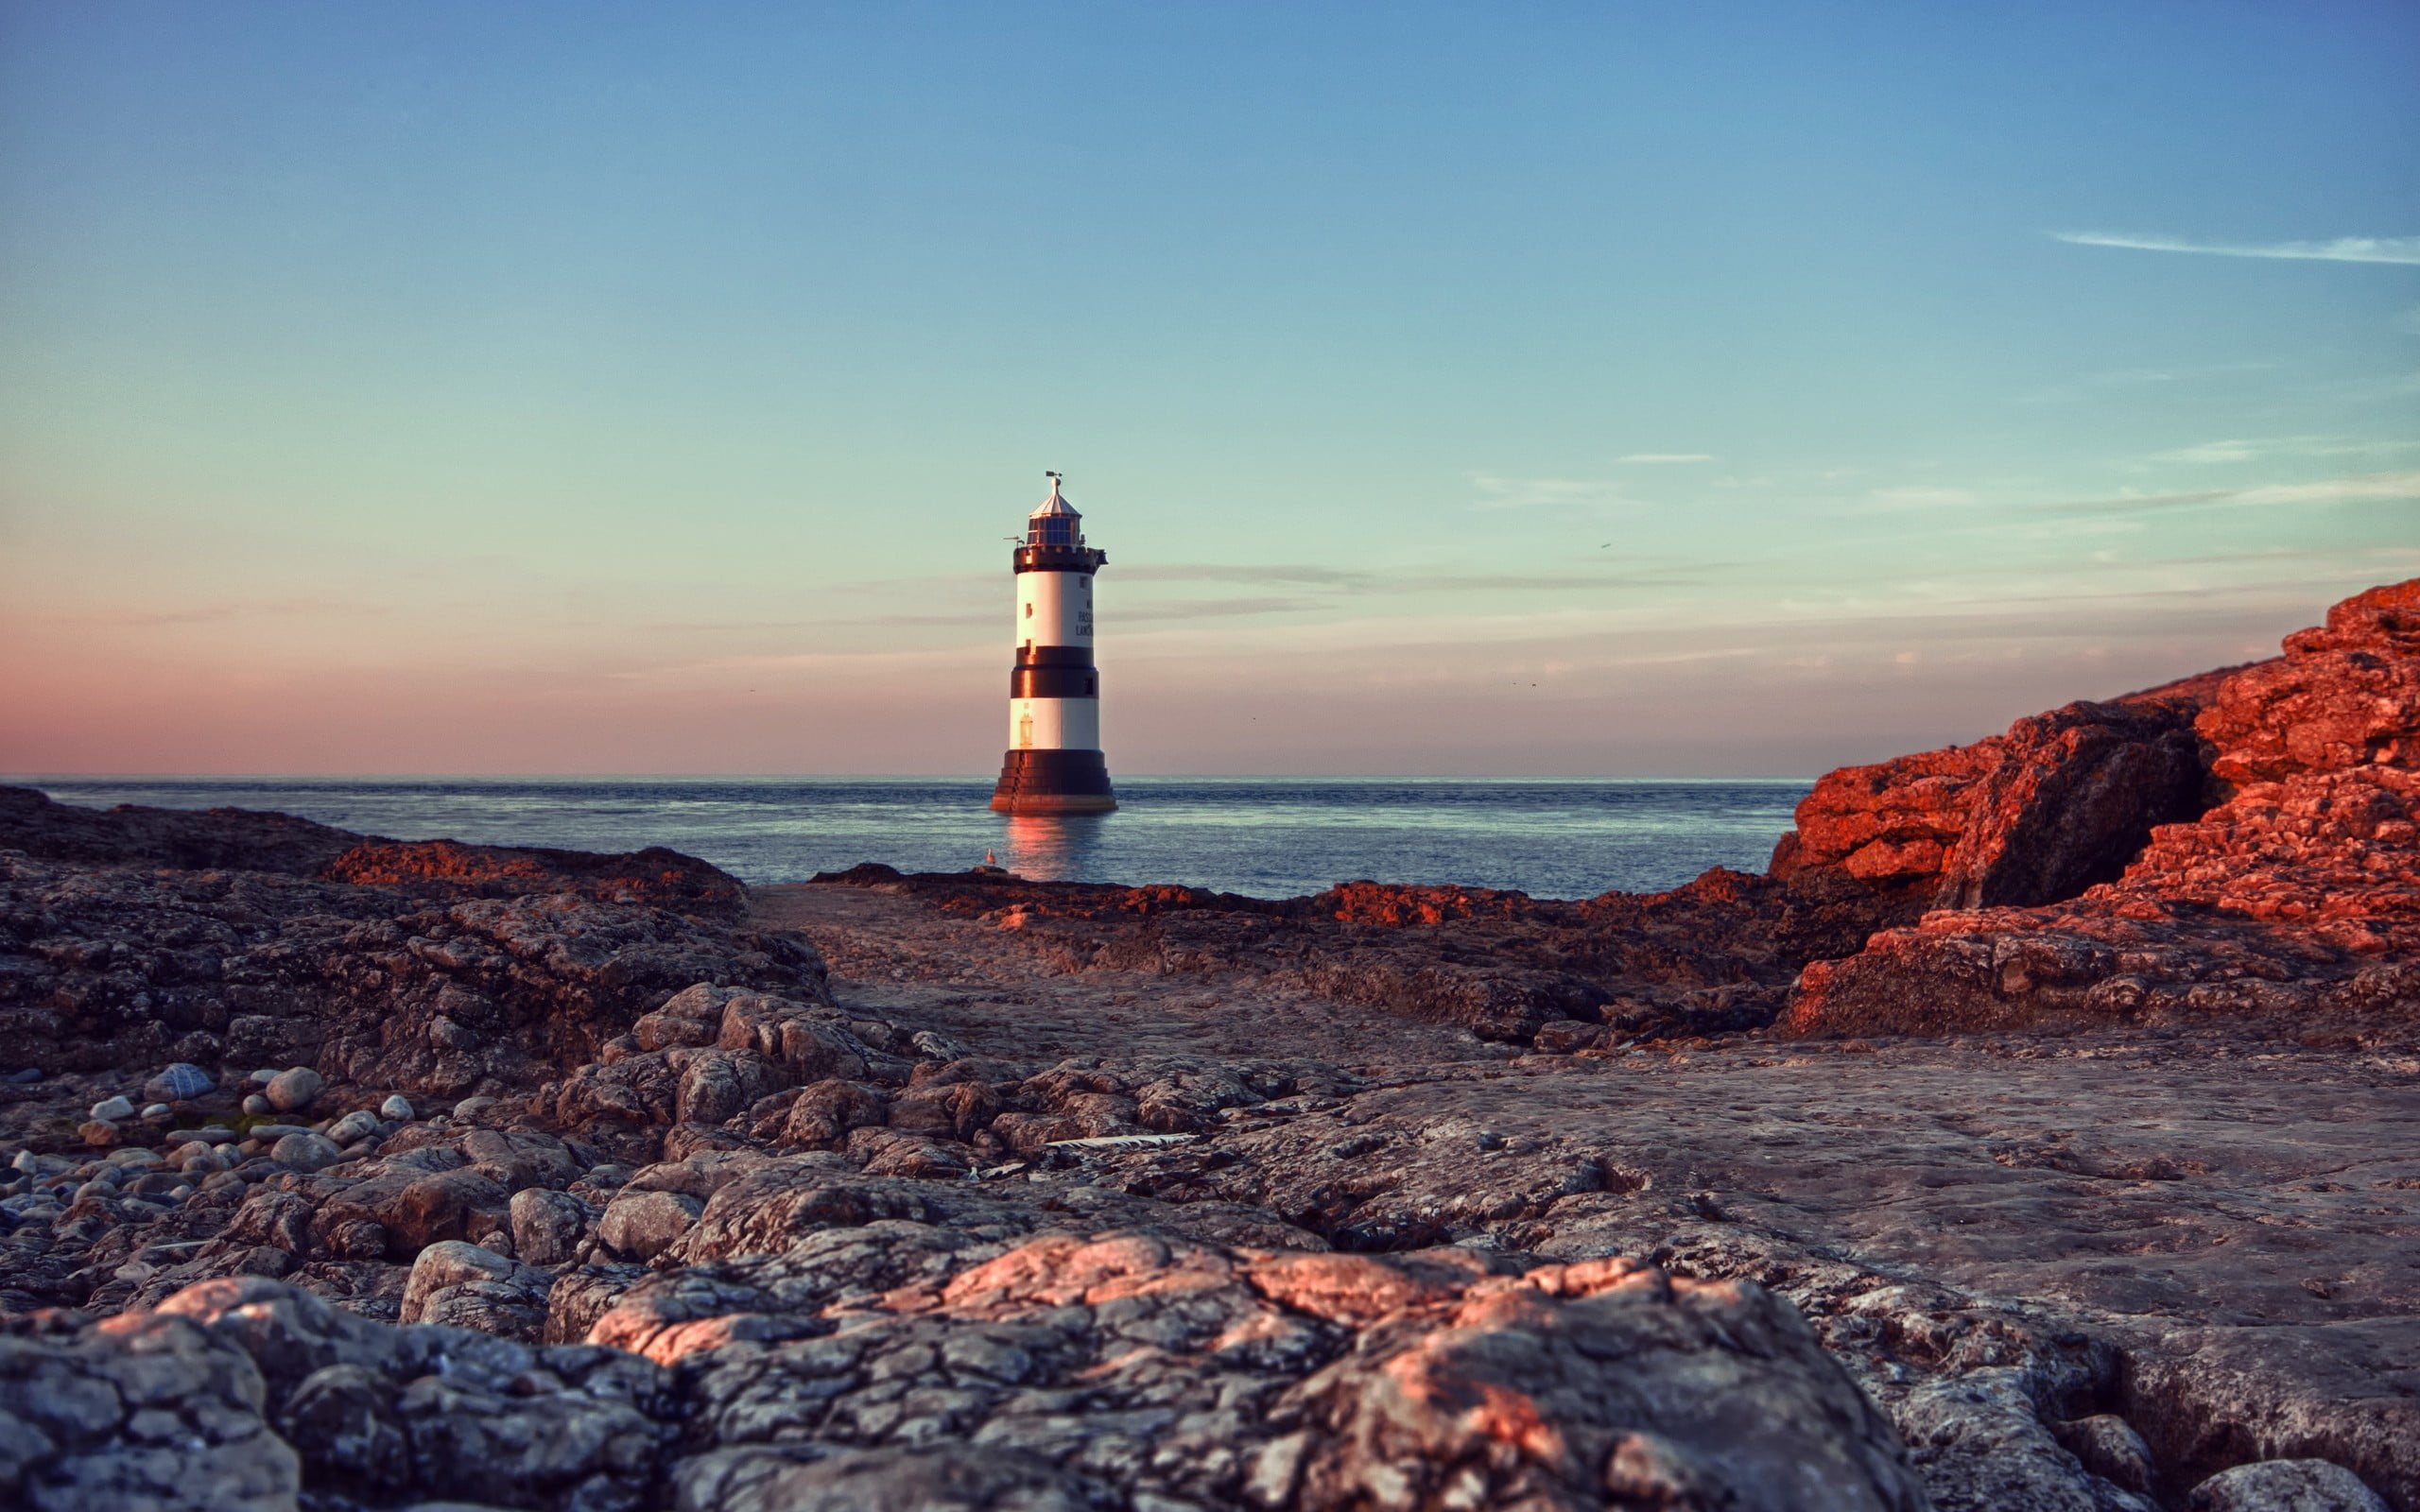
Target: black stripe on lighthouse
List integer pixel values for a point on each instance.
(1053, 683)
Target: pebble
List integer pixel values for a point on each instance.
(258, 1106)
(178, 1082)
(305, 1151)
(291, 1090)
(158, 1113)
(396, 1109)
(353, 1127)
(109, 1110)
(472, 1106)
(26, 1077)
(97, 1131)
(262, 1077)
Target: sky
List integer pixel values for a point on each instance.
(1490, 390)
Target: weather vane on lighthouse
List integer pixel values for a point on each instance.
(1054, 765)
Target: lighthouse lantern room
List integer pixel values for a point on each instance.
(1054, 763)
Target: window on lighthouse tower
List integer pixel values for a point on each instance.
(1051, 530)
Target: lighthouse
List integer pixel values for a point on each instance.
(1054, 763)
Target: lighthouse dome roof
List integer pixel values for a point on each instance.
(1054, 505)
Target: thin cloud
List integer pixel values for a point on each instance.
(2334, 490)
(2249, 450)
(2343, 250)
(1212, 609)
(1522, 493)
(2324, 492)
(1221, 573)
(1661, 459)
(1892, 501)
(2212, 452)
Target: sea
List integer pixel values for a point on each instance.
(1260, 837)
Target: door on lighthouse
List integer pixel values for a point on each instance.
(1025, 731)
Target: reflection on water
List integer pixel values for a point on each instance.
(1055, 847)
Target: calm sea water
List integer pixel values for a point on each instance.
(1270, 838)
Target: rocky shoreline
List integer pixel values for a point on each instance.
(2038, 1132)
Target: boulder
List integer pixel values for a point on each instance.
(2286, 1486)
(292, 1090)
(353, 1127)
(2346, 694)
(417, 1208)
(642, 1225)
(305, 1152)
(178, 1082)
(2297, 897)
(463, 1286)
(2061, 801)
(139, 1412)
(547, 1226)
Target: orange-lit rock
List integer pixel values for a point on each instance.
(2299, 895)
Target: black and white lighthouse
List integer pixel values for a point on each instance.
(1054, 763)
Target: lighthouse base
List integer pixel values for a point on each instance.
(1054, 782)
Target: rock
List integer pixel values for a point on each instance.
(110, 1110)
(470, 1108)
(263, 1076)
(485, 1418)
(720, 1084)
(98, 1132)
(292, 1090)
(2297, 897)
(353, 1127)
(825, 1111)
(149, 1412)
(642, 1225)
(158, 1113)
(2345, 696)
(258, 1106)
(1420, 1407)
(2061, 801)
(884, 1480)
(397, 1109)
(178, 1082)
(547, 1226)
(305, 1152)
(2110, 1448)
(344, 1419)
(2286, 1486)
(463, 1286)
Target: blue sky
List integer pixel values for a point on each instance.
(1572, 389)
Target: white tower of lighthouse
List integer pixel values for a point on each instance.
(1054, 765)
